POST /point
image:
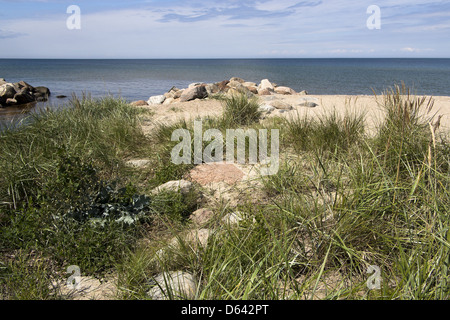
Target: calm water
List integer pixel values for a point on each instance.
(140, 79)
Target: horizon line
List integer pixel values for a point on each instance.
(272, 58)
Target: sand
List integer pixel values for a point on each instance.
(341, 103)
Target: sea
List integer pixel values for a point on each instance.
(140, 79)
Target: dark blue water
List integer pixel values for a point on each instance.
(140, 79)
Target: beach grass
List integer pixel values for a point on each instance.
(343, 203)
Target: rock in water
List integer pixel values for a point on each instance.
(24, 96)
(41, 93)
(7, 91)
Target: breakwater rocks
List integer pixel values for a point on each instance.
(227, 87)
(21, 93)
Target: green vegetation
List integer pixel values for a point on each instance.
(342, 201)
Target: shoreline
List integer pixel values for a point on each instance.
(203, 108)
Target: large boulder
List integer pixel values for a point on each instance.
(7, 91)
(41, 93)
(2, 81)
(21, 93)
(266, 85)
(198, 92)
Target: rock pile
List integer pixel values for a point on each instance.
(21, 93)
(228, 87)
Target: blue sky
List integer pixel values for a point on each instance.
(224, 29)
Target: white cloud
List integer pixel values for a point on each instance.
(228, 29)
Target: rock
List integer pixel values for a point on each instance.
(237, 79)
(213, 173)
(63, 97)
(156, 100)
(266, 108)
(168, 101)
(235, 84)
(194, 93)
(21, 93)
(309, 104)
(88, 289)
(281, 105)
(212, 88)
(196, 84)
(42, 92)
(265, 84)
(177, 94)
(139, 103)
(201, 216)
(240, 90)
(223, 86)
(234, 218)
(174, 285)
(2, 81)
(24, 96)
(182, 186)
(174, 93)
(253, 90)
(303, 93)
(23, 85)
(264, 92)
(284, 90)
(138, 163)
(249, 84)
(199, 237)
(7, 91)
(11, 101)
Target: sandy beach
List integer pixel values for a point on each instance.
(326, 103)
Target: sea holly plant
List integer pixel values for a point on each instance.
(109, 204)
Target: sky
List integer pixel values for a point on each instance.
(224, 29)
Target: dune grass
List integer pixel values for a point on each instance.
(342, 201)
